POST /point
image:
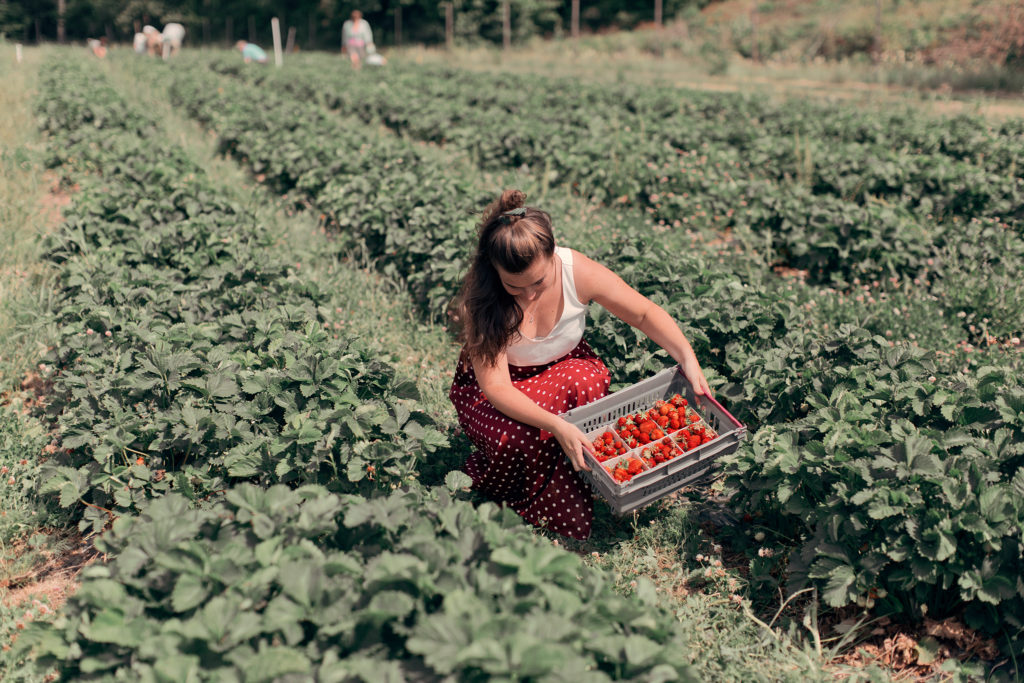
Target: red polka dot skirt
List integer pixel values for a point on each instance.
(519, 465)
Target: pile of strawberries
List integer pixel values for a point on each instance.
(649, 430)
(664, 418)
(625, 469)
(660, 452)
(605, 447)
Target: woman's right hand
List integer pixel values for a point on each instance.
(573, 442)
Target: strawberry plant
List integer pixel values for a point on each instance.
(899, 483)
(269, 583)
(190, 355)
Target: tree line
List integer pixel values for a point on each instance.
(317, 23)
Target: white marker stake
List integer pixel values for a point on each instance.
(275, 27)
(17, 53)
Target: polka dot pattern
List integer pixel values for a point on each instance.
(522, 466)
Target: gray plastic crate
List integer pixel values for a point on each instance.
(651, 485)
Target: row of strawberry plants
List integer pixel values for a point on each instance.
(260, 582)
(371, 187)
(777, 368)
(682, 117)
(652, 270)
(280, 584)
(827, 222)
(189, 353)
(418, 226)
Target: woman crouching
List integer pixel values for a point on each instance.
(522, 312)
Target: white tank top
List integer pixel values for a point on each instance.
(566, 333)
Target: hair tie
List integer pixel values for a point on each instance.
(506, 216)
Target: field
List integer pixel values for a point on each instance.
(226, 446)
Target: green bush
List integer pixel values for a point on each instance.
(277, 583)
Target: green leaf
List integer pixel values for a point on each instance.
(937, 544)
(69, 494)
(275, 662)
(456, 480)
(837, 590)
(406, 389)
(302, 581)
(109, 626)
(176, 668)
(1017, 484)
(927, 650)
(189, 591)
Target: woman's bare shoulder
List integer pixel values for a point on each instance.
(590, 276)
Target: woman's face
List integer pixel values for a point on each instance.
(531, 283)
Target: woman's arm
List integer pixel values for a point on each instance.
(496, 383)
(595, 282)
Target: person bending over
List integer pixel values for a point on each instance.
(251, 52)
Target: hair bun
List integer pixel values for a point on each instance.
(511, 199)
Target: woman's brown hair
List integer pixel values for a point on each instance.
(512, 236)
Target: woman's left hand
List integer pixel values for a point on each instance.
(695, 376)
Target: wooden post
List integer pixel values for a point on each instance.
(574, 22)
(62, 7)
(289, 45)
(657, 13)
(398, 25)
(449, 25)
(755, 46)
(275, 30)
(229, 25)
(506, 24)
(877, 52)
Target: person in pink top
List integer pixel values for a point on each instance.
(356, 37)
(521, 314)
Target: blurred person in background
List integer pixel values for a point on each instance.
(171, 39)
(98, 47)
(251, 52)
(139, 43)
(154, 40)
(355, 37)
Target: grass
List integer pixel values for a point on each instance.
(28, 210)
